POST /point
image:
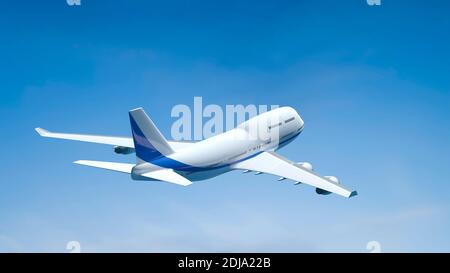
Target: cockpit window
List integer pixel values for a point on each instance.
(289, 120)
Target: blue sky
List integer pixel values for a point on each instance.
(371, 83)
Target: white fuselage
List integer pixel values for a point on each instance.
(213, 156)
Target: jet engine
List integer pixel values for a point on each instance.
(322, 192)
(123, 150)
(305, 165)
(333, 178)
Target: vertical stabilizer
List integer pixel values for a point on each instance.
(149, 143)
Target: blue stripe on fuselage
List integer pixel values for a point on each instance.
(170, 163)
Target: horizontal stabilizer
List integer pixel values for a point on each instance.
(168, 175)
(113, 166)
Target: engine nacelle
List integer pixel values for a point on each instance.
(305, 165)
(333, 178)
(322, 192)
(123, 150)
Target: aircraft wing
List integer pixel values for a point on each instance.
(126, 142)
(272, 163)
(165, 175)
(117, 141)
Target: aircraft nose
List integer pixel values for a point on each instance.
(293, 112)
(300, 121)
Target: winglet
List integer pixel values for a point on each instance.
(41, 131)
(354, 193)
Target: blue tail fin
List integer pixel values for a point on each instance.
(149, 143)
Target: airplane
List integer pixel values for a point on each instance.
(181, 162)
